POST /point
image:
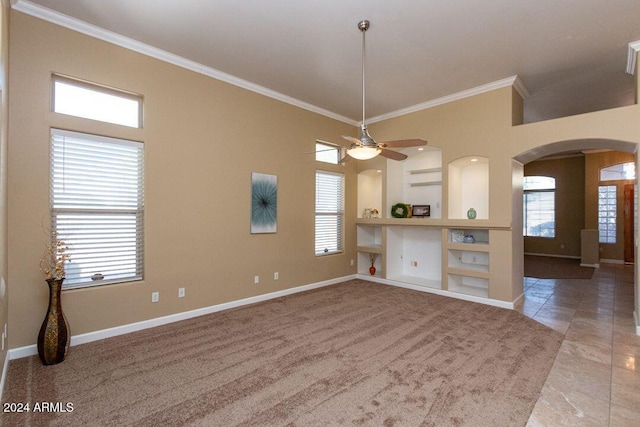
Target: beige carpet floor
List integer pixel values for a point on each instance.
(356, 353)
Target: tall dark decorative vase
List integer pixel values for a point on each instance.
(53, 339)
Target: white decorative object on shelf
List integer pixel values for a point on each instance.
(457, 236)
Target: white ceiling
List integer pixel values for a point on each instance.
(570, 55)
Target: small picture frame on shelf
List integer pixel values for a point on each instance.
(457, 236)
(421, 210)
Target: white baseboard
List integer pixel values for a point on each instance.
(590, 265)
(636, 322)
(472, 298)
(553, 255)
(517, 300)
(611, 261)
(31, 350)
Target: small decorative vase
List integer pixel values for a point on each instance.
(471, 213)
(53, 339)
(372, 270)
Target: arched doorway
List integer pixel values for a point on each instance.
(567, 148)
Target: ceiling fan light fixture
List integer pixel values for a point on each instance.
(363, 153)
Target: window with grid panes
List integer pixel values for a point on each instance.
(607, 216)
(539, 206)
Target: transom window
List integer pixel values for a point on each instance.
(89, 101)
(539, 206)
(327, 153)
(618, 172)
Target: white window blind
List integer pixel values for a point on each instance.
(97, 206)
(329, 212)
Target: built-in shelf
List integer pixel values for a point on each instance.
(417, 280)
(423, 171)
(430, 253)
(469, 187)
(464, 224)
(372, 249)
(424, 184)
(474, 261)
(467, 285)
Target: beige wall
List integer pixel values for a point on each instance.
(570, 206)
(203, 138)
(4, 96)
(593, 163)
(488, 125)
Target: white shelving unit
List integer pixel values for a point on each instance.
(369, 242)
(469, 187)
(416, 180)
(414, 255)
(431, 253)
(467, 252)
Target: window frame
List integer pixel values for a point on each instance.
(63, 205)
(608, 232)
(328, 147)
(525, 211)
(338, 214)
(55, 78)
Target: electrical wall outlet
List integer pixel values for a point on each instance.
(276, 276)
(180, 292)
(351, 262)
(256, 279)
(155, 296)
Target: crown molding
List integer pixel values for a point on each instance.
(513, 81)
(634, 48)
(94, 31)
(91, 30)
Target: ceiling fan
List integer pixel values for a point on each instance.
(364, 147)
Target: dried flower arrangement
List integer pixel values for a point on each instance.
(55, 256)
(372, 258)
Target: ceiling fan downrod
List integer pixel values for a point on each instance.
(363, 26)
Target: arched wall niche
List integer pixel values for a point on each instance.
(469, 187)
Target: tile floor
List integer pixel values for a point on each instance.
(595, 380)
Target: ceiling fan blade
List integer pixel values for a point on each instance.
(393, 155)
(345, 158)
(401, 143)
(352, 140)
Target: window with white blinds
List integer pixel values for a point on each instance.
(97, 206)
(329, 212)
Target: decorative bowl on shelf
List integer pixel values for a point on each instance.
(469, 239)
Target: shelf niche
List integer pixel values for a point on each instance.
(416, 180)
(469, 187)
(414, 255)
(369, 191)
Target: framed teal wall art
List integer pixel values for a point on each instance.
(264, 203)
